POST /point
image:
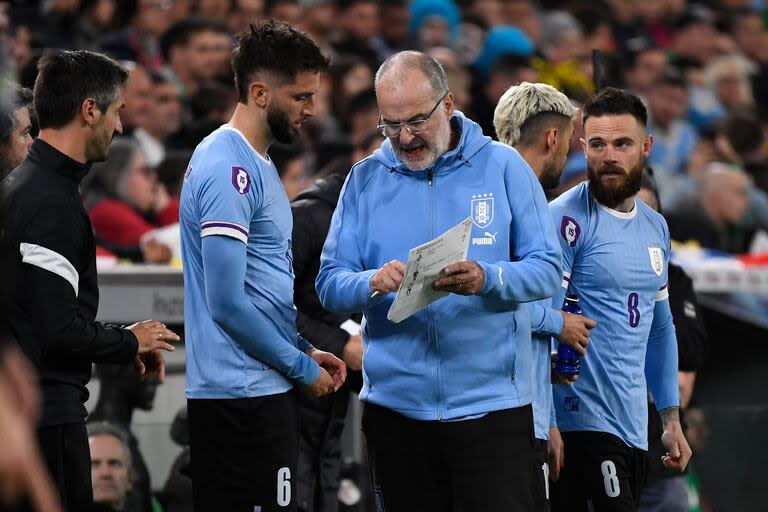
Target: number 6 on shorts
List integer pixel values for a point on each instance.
(283, 487)
(610, 479)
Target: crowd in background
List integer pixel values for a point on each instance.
(701, 68)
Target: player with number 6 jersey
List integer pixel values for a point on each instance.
(244, 355)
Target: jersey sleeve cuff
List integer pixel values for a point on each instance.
(307, 370)
(303, 344)
(553, 322)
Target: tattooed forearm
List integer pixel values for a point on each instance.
(669, 414)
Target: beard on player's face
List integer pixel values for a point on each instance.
(280, 125)
(611, 184)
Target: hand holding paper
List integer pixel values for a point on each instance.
(464, 278)
(424, 267)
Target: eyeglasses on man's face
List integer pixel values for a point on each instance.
(416, 127)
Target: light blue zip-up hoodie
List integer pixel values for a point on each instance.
(462, 355)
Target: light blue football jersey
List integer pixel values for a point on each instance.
(616, 263)
(231, 190)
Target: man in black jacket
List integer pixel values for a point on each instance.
(49, 256)
(322, 419)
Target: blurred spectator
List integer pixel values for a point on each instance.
(350, 75)
(15, 137)
(445, 55)
(140, 41)
(694, 34)
(97, 19)
(363, 116)
(359, 21)
(125, 202)
(290, 164)
(289, 11)
(704, 109)
(729, 79)
(750, 34)
(644, 65)
(489, 11)
(195, 51)
(137, 95)
(500, 41)
(703, 153)
(183, 8)
(472, 32)
(214, 9)
(523, 14)
(433, 23)
(459, 83)
(712, 217)
(24, 46)
(507, 70)
(210, 107)
(395, 17)
(567, 65)
(561, 36)
(595, 22)
(170, 172)
(319, 21)
(111, 468)
(244, 13)
(673, 137)
(163, 119)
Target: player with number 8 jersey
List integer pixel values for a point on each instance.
(615, 255)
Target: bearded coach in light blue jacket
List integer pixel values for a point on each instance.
(448, 418)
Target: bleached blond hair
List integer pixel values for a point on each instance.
(521, 103)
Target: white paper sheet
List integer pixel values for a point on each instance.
(424, 265)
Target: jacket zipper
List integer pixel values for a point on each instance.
(431, 333)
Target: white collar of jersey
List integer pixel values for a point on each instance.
(621, 215)
(233, 129)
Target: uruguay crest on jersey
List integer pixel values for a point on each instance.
(657, 259)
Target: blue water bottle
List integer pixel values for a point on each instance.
(568, 360)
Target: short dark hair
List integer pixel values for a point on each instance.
(277, 48)
(180, 33)
(19, 97)
(615, 102)
(67, 78)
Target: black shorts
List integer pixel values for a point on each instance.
(541, 475)
(244, 453)
(484, 464)
(601, 474)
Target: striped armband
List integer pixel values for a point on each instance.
(218, 227)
